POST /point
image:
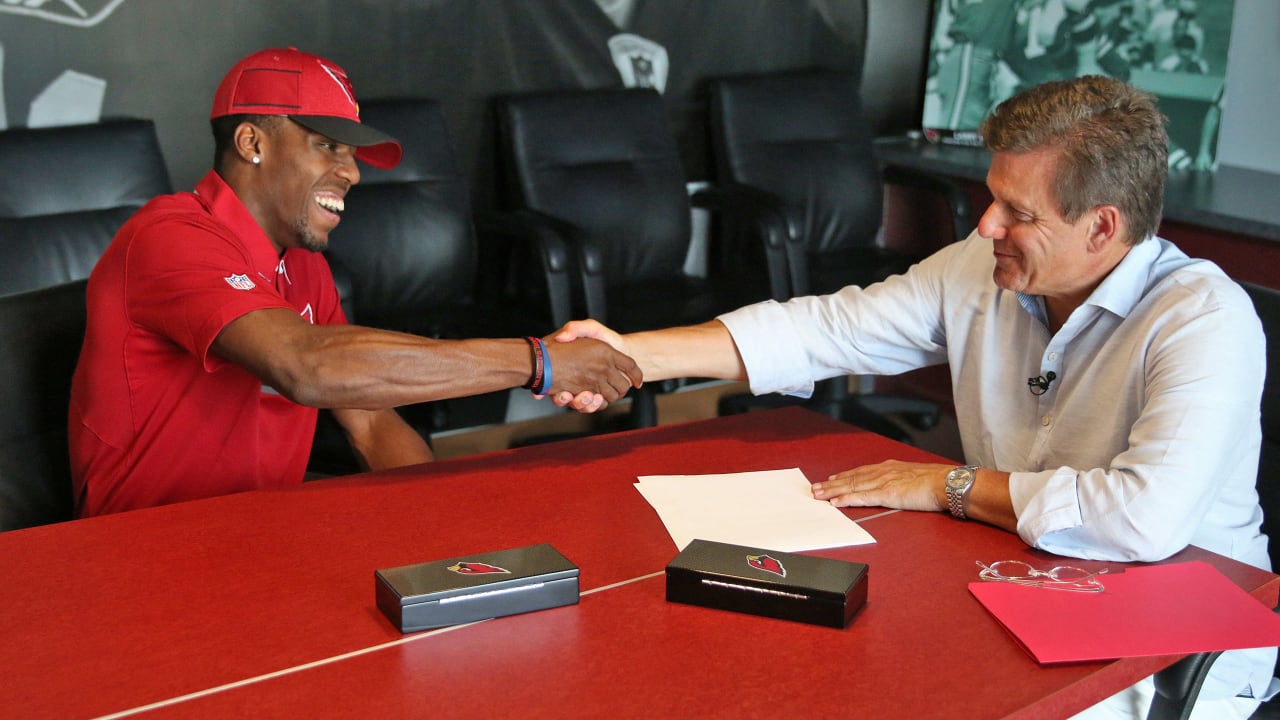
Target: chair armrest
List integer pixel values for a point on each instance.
(954, 194)
(1178, 685)
(591, 277)
(764, 209)
(759, 215)
(527, 235)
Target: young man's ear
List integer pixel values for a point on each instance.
(248, 140)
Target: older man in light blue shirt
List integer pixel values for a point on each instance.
(1145, 441)
(1106, 386)
(1147, 419)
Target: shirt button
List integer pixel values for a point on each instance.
(1053, 357)
(1045, 421)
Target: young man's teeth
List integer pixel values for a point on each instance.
(331, 204)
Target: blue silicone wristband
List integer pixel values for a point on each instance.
(546, 369)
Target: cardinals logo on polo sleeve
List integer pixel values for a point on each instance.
(767, 564)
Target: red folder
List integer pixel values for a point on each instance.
(1151, 610)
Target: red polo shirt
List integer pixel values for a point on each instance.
(156, 417)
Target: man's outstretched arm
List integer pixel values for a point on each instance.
(706, 351)
(348, 366)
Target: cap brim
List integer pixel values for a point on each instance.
(372, 146)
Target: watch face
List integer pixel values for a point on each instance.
(958, 478)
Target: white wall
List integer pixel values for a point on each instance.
(1248, 136)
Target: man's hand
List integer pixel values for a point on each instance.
(589, 329)
(891, 484)
(589, 374)
(586, 402)
(705, 350)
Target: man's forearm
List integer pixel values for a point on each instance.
(705, 350)
(381, 439)
(355, 367)
(346, 366)
(989, 500)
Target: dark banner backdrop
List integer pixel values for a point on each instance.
(162, 59)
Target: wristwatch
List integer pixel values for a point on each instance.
(958, 483)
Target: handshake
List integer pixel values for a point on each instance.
(572, 362)
(594, 365)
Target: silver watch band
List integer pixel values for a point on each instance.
(958, 494)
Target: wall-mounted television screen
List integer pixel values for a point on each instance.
(983, 51)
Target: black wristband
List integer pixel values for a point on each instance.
(536, 352)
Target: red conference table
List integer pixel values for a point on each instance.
(261, 604)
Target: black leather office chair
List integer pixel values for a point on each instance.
(799, 144)
(600, 171)
(1267, 302)
(40, 336)
(65, 191)
(408, 254)
(1178, 685)
(407, 240)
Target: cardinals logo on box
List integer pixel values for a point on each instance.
(767, 564)
(476, 568)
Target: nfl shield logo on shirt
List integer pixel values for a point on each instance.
(240, 282)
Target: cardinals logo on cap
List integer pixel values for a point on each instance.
(767, 564)
(476, 568)
(340, 78)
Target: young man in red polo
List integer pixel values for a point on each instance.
(215, 331)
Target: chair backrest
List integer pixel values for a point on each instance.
(406, 239)
(406, 258)
(1267, 302)
(802, 136)
(66, 190)
(606, 162)
(41, 332)
(1178, 685)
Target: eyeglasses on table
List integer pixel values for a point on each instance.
(1060, 577)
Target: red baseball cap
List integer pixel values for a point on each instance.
(312, 91)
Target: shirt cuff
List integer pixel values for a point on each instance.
(771, 349)
(1044, 502)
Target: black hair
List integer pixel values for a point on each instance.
(224, 130)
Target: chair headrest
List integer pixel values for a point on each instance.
(74, 168)
(419, 125)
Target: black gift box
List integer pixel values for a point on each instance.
(782, 585)
(475, 587)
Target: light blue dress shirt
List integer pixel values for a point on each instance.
(1146, 441)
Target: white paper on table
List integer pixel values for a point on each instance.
(772, 509)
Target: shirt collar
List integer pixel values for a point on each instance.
(1122, 288)
(226, 207)
(1119, 291)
